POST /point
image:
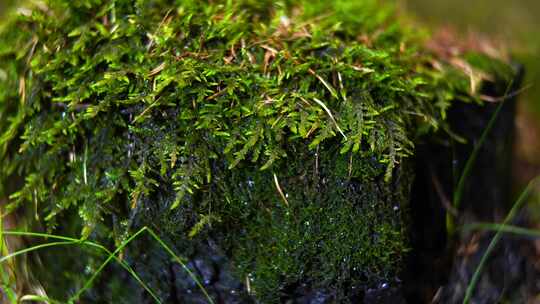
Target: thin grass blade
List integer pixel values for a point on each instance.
(91, 244)
(29, 249)
(458, 192)
(520, 231)
(121, 247)
(179, 261)
(517, 205)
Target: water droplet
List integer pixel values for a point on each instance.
(88, 269)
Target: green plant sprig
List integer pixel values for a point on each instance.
(111, 255)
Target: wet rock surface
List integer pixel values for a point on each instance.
(174, 283)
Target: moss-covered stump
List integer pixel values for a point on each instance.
(268, 143)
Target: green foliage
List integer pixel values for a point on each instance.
(114, 107)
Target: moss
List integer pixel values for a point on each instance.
(201, 113)
(337, 228)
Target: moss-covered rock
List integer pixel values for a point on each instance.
(281, 131)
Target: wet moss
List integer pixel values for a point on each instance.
(338, 228)
(280, 129)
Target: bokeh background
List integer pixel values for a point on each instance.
(516, 25)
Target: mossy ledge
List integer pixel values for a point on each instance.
(279, 130)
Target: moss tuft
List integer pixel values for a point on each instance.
(202, 113)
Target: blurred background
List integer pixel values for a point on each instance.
(515, 24)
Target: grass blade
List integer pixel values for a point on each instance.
(122, 246)
(517, 205)
(29, 249)
(532, 233)
(179, 261)
(75, 241)
(458, 192)
(111, 256)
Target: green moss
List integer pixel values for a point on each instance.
(337, 228)
(190, 108)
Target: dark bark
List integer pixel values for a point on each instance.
(434, 262)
